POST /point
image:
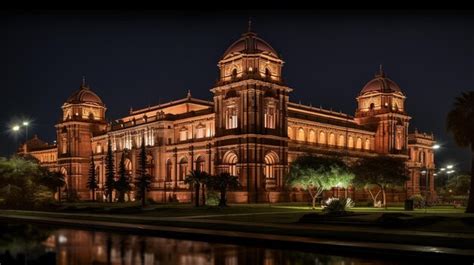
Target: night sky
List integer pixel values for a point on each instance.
(135, 59)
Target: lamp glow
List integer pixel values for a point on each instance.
(16, 128)
(449, 166)
(436, 146)
(25, 123)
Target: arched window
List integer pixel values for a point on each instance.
(372, 106)
(231, 117)
(332, 139)
(99, 149)
(269, 117)
(301, 136)
(340, 141)
(169, 168)
(271, 159)
(230, 159)
(359, 143)
(268, 74)
(350, 142)
(66, 179)
(183, 168)
(234, 74)
(312, 136)
(290, 133)
(322, 138)
(200, 163)
(367, 144)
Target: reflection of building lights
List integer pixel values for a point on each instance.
(62, 239)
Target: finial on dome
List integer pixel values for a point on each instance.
(381, 71)
(189, 94)
(249, 29)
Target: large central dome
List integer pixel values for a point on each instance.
(249, 43)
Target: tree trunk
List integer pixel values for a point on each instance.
(470, 202)
(93, 195)
(314, 202)
(374, 198)
(384, 197)
(143, 197)
(203, 195)
(196, 198)
(223, 199)
(121, 197)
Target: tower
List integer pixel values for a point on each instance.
(83, 117)
(250, 104)
(381, 107)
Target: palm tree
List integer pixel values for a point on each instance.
(460, 122)
(222, 183)
(196, 178)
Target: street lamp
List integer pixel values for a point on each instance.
(436, 146)
(26, 124)
(449, 166)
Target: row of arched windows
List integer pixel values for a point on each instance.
(331, 139)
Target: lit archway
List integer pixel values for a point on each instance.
(230, 159)
(271, 159)
(312, 136)
(301, 135)
(332, 139)
(183, 168)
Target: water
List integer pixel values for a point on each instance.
(42, 245)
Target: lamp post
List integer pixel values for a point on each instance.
(26, 124)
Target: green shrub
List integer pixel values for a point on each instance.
(418, 201)
(212, 198)
(336, 205)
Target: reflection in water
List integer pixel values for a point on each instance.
(77, 247)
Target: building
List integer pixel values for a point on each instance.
(250, 129)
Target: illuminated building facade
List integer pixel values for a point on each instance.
(250, 129)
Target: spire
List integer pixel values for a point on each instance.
(381, 72)
(249, 29)
(189, 94)
(83, 84)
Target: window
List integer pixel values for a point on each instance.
(64, 146)
(350, 143)
(268, 74)
(359, 143)
(290, 133)
(200, 164)
(367, 144)
(312, 136)
(200, 131)
(269, 117)
(340, 141)
(322, 138)
(183, 168)
(234, 74)
(332, 139)
(372, 106)
(271, 159)
(183, 134)
(230, 159)
(99, 149)
(301, 136)
(231, 118)
(169, 167)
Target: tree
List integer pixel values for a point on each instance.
(143, 180)
(222, 183)
(316, 174)
(196, 178)
(460, 122)
(459, 185)
(109, 172)
(123, 183)
(54, 180)
(379, 173)
(92, 180)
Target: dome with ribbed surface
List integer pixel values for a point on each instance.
(381, 83)
(249, 43)
(84, 95)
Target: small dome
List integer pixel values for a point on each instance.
(84, 95)
(249, 43)
(381, 83)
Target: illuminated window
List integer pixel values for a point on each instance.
(290, 133)
(183, 168)
(359, 143)
(64, 146)
(183, 134)
(271, 159)
(231, 118)
(340, 141)
(234, 74)
(322, 138)
(312, 136)
(350, 143)
(332, 139)
(367, 144)
(200, 131)
(268, 74)
(269, 117)
(301, 136)
(99, 149)
(230, 159)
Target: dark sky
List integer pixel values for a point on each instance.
(132, 59)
